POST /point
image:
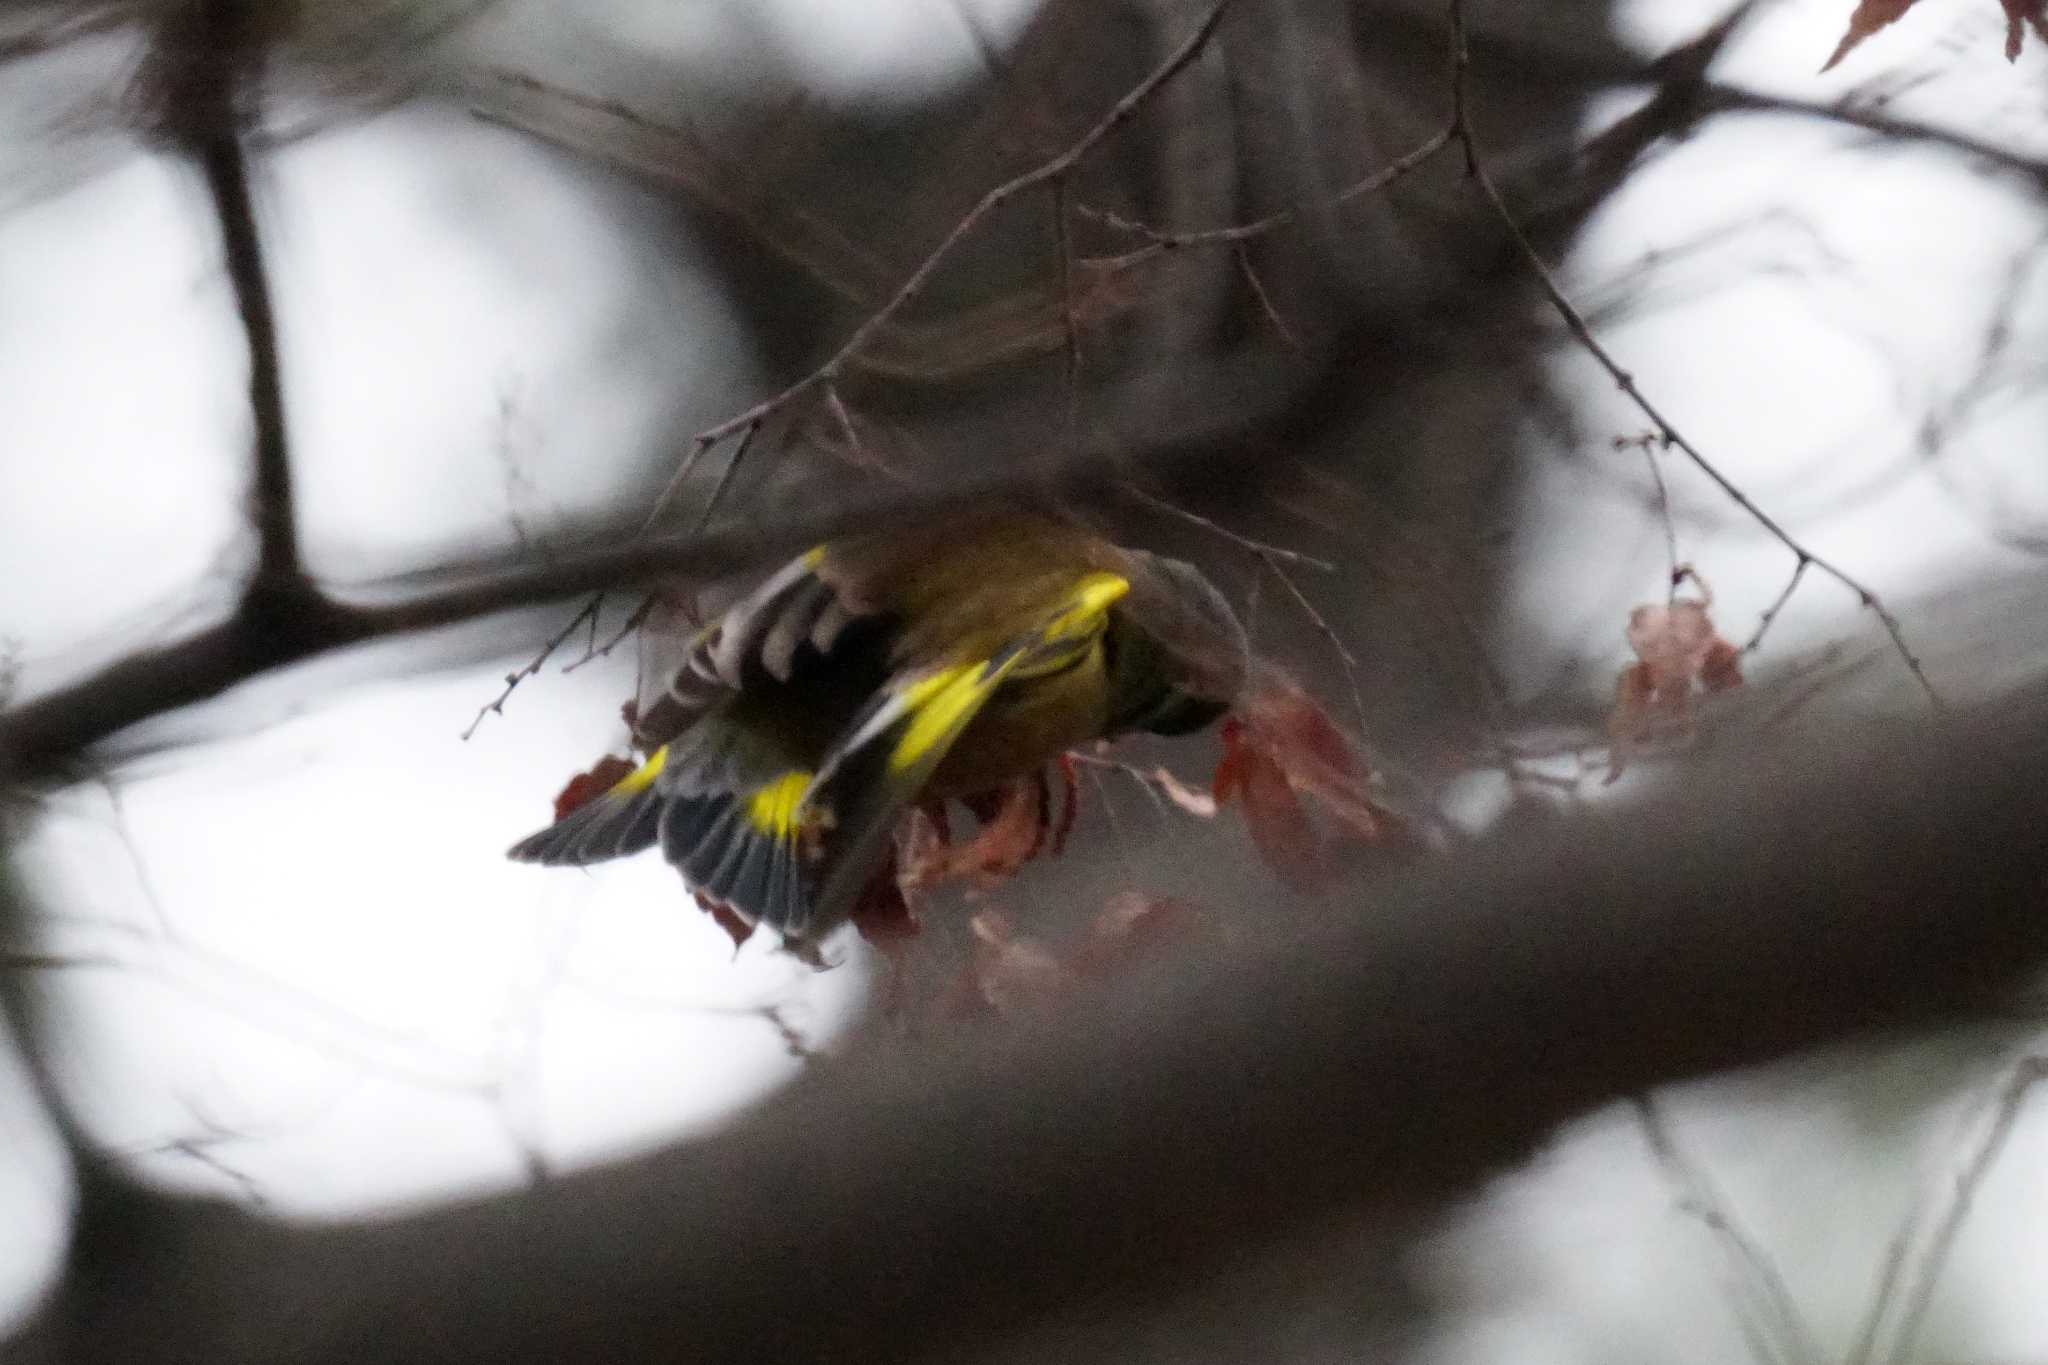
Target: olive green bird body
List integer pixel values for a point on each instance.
(883, 670)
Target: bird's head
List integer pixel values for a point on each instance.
(1176, 655)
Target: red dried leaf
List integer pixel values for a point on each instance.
(1133, 925)
(2018, 15)
(1677, 652)
(1013, 974)
(1008, 973)
(1279, 823)
(1872, 15)
(588, 786)
(885, 912)
(1868, 18)
(1015, 819)
(1722, 668)
(726, 918)
(1281, 747)
(1070, 806)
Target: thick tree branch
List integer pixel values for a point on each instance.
(1403, 1045)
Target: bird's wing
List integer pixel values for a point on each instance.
(883, 759)
(723, 800)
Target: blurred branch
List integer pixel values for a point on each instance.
(1719, 98)
(204, 54)
(1669, 435)
(85, 21)
(1148, 425)
(1049, 172)
(1764, 1307)
(1365, 1062)
(1914, 1295)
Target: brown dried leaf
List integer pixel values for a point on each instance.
(1016, 819)
(1133, 925)
(1872, 15)
(1672, 640)
(588, 786)
(726, 918)
(1677, 650)
(1869, 17)
(1013, 974)
(1282, 746)
(2018, 15)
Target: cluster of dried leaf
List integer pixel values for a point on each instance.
(1286, 763)
(1872, 15)
(1678, 653)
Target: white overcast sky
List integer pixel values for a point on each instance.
(324, 954)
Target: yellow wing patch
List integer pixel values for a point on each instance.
(642, 777)
(942, 703)
(938, 706)
(775, 807)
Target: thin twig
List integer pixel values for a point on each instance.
(634, 620)
(855, 451)
(1260, 548)
(1258, 288)
(1761, 1298)
(1576, 323)
(1046, 171)
(793, 1041)
(1770, 614)
(1159, 784)
(675, 484)
(748, 423)
(496, 706)
(1648, 445)
(1069, 322)
(2012, 1098)
(1345, 657)
(1161, 239)
(1718, 98)
(725, 477)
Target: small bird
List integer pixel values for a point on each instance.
(887, 669)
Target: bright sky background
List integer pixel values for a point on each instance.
(321, 953)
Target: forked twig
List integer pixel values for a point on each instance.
(747, 424)
(496, 706)
(1770, 1319)
(1916, 1291)
(1576, 323)
(1046, 171)
(1261, 549)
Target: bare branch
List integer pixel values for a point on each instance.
(905, 1206)
(1162, 239)
(1576, 323)
(1717, 97)
(496, 706)
(1265, 300)
(1918, 1294)
(1053, 169)
(1259, 549)
(1758, 1289)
